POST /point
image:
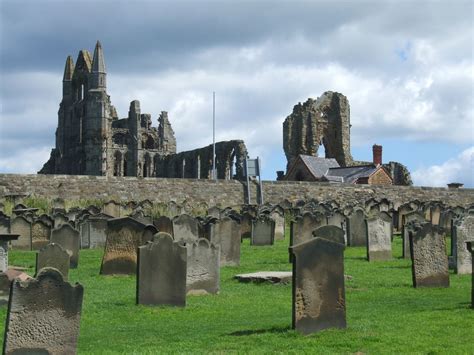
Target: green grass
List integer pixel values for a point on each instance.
(385, 314)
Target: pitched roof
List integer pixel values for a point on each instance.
(350, 174)
(318, 166)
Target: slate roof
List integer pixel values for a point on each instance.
(350, 174)
(318, 166)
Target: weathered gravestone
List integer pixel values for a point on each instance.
(69, 239)
(463, 232)
(379, 243)
(278, 216)
(161, 272)
(303, 226)
(263, 231)
(185, 228)
(53, 255)
(246, 225)
(413, 216)
(225, 232)
(333, 233)
(164, 224)
(6, 280)
(94, 232)
(20, 225)
(43, 315)
(357, 229)
(40, 234)
(429, 259)
(4, 240)
(124, 236)
(339, 220)
(59, 220)
(470, 247)
(318, 284)
(214, 211)
(203, 274)
(112, 208)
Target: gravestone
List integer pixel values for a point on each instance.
(225, 233)
(318, 285)
(303, 226)
(140, 216)
(124, 236)
(161, 272)
(59, 220)
(246, 225)
(203, 275)
(4, 240)
(53, 255)
(214, 211)
(402, 211)
(4, 224)
(164, 224)
(97, 228)
(112, 208)
(470, 247)
(463, 233)
(185, 228)
(413, 216)
(263, 231)
(148, 233)
(20, 225)
(379, 243)
(357, 229)
(40, 234)
(332, 233)
(6, 280)
(173, 209)
(429, 259)
(339, 220)
(69, 239)
(278, 216)
(43, 315)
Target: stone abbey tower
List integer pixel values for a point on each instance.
(92, 140)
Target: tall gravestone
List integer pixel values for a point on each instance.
(263, 231)
(379, 243)
(161, 272)
(318, 283)
(53, 255)
(69, 239)
(463, 233)
(21, 226)
(225, 232)
(43, 315)
(203, 273)
(429, 259)
(40, 234)
(357, 229)
(124, 236)
(278, 216)
(185, 228)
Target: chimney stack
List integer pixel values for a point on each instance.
(377, 154)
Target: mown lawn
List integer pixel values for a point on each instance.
(385, 314)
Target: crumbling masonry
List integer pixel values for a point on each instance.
(92, 140)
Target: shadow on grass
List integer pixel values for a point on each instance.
(356, 258)
(277, 330)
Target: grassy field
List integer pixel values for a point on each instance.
(385, 314)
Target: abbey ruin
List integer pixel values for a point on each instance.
(91, 139)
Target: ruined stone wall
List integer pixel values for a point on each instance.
(223, 192)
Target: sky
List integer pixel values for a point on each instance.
(406, 68)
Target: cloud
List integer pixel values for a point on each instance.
(26, 161)
(458, 169)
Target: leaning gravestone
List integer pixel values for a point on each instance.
(53, 255)
(161, 272)
(263, 231)
(20, 225)
(203, 275)
(40, 235)
(185, 228)
(225, 232)
(124, 236)
(164, 224)
(379, 244)
(69, 239)
(429, 259)
(357, 229)
(43, 315)
(463, 233)
(318, 285)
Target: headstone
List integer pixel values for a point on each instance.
(140, 216)
(226, 234)
(6, 280)
(112, 208)
(303, 226)
(263, 231)
(332, 233)
(43, 315)
(20, 225)
(4, 240)
(409, 217)
(161, 272)
(318, 285)
(379, 243)
(470, 247)
(97, 231)
(279, 217)
(463, 233)
(53, 255)
(214, 211)
(4, 224)
(203, 275)
(339, 220)
(173, 209)
(429, 259)
(357, 229)
(40, 234)
(185, 228)
(246, 225)
(164, 224)
(59, 220)
(69, 239)
(124, 236)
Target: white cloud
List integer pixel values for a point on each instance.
(458, 169)
(25, 161)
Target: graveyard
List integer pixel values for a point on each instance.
(384, 311)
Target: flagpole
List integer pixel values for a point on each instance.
(214, 172)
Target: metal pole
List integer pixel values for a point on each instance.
(214, 175)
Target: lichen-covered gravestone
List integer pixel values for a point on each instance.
(357, 229)
(318, 282)
(20, 225)
(379, 243)
(43, 315)
(112, 208)
(429, 259)
(463, 232)
(124, 236)
(69, 239)
(161, 272)
(263, 231)
(203, 272)
(225, 232)
(185, 228)
(40, 234)
(53, 255)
